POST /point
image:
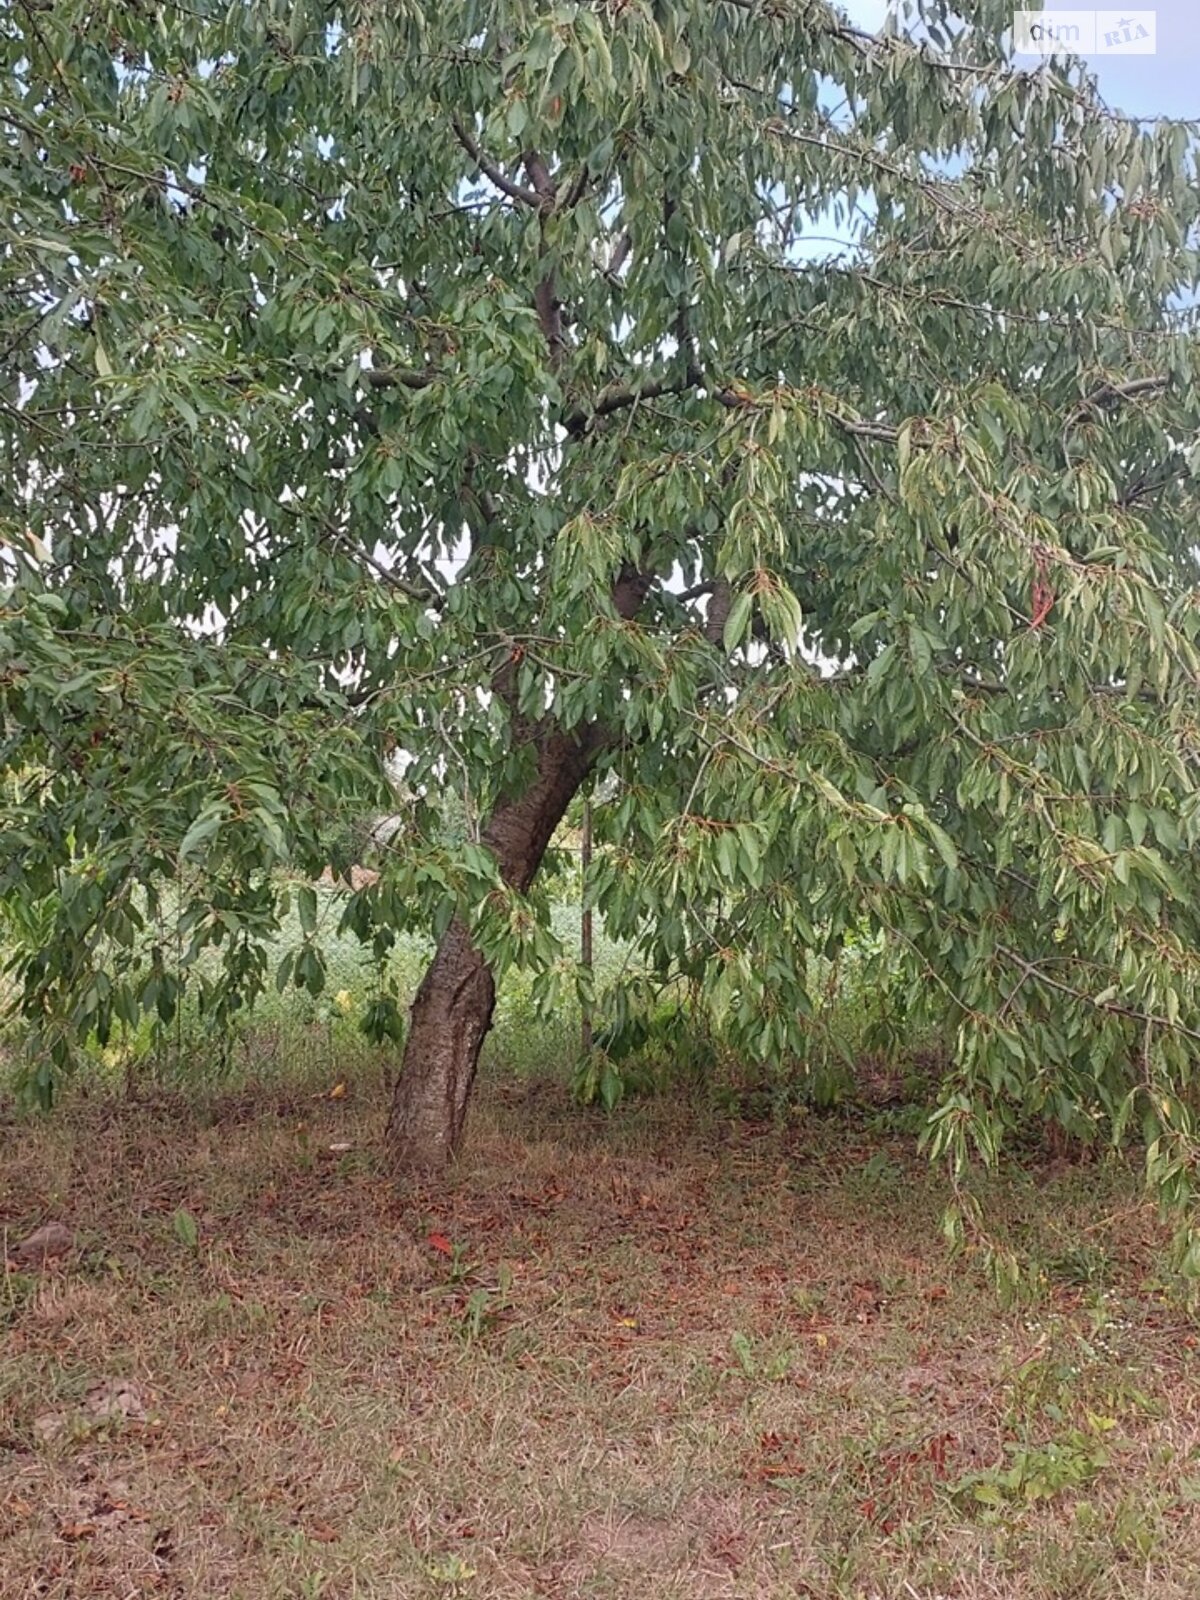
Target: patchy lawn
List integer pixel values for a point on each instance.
(653, 1355)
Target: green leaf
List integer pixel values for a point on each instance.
(205, 827)
(186, 1229)
(737, 621)
(306, 902)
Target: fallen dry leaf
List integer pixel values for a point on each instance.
(73, 1531)
(48, 1426)
(440, 1243)
(44, 1244)
(113, 1507)
(115, 1398)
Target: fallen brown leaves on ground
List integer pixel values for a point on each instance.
(649, 1356)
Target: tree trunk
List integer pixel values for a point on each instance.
(448, 1023)
(452, 1012)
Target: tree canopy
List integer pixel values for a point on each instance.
(795, 425)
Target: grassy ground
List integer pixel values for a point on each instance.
(658, 1355)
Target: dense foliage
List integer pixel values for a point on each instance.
(472, 381)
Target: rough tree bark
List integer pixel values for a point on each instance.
(452, 1011)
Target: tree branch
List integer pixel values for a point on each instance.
(1034, 970)
(620, 254)
(619, 396)
(1111, 394)
(545, 296)
(630, 589)
(718, 611)
(514, 191)
(340, 540)
(481, 500)
(1150, 482)
(545, 190)
(398, 378)
(549, 315)
(578, 187)
(858, 429)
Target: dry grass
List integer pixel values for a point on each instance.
(662, 1358)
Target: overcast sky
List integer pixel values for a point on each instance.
(1166, 84)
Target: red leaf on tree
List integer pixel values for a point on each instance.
(1043, 603)
(1042, 598)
